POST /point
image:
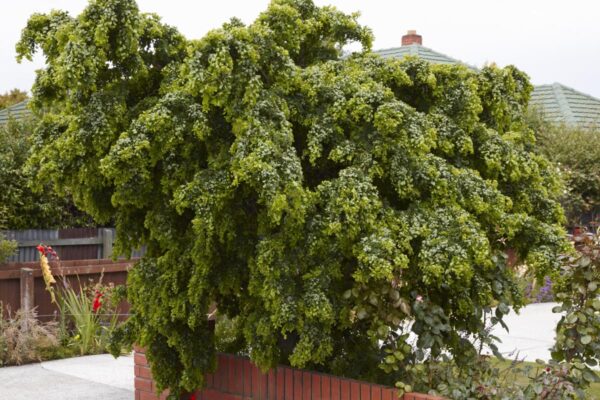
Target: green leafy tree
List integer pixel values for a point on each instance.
(15, 96)
(327, 204)
(576, 152)
(21, 207)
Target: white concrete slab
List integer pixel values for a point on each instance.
(102, 368)
(35, 382)
(531, 332)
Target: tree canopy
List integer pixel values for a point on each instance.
(329, 204)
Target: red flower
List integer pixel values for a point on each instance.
(40, 247)
(97, 303)
(193, 396)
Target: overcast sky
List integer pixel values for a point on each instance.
(551, 40)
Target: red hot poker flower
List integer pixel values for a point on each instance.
(40, 247)
(97, 301)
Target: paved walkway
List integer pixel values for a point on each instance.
(531, 333)
(91, 378)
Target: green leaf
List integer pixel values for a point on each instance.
(557, 309)
(587, 339)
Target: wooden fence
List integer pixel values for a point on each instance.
(22, 285)
(70, 244)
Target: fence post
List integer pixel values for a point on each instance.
(107, 243)
(27, 293)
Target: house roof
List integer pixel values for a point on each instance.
(17, 111)
(421, 51)
(560, 103)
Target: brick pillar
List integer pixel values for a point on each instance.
(145, 389)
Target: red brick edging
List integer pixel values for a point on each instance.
(236, 378)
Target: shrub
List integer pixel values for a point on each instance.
(576, 153)
(87, 315)
(323, 202)
(90, 317)
(24, 339)
(7, 248)
(578, 331)
(15, 96)
(22, 207)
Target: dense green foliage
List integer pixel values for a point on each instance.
(15, 96)
(576, 152)
(22, 207)
(578, 331)
(324, 203)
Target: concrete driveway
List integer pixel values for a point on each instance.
(98, 377)
(531, 332)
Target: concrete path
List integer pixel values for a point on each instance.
(98, 377)
(531, 332)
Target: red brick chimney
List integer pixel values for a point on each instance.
(411, 37)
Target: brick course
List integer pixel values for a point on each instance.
(236, 378)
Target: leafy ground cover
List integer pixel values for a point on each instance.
(592, 393)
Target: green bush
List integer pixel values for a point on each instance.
(327, 205)
(7, 248)
(578, 291)
(24, 202)
(15, 96)
(20, 345)
(576, 153)
(88, 314)
(86, 325)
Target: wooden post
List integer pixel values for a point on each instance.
(27, 293)
(107, 243)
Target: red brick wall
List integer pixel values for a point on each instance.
(236, 378)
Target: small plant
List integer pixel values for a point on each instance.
(24, 339)
(87, 315)
(539, 294)
(7, 248)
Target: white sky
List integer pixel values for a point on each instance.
(551, 40)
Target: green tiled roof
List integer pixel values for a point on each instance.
(420, 51)
(563, 104)
(17, 111)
